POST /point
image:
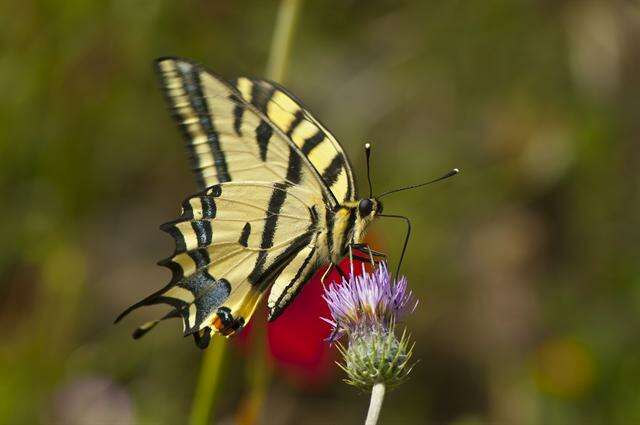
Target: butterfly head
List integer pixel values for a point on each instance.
(368, 208)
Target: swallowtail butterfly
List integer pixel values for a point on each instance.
(278, 200)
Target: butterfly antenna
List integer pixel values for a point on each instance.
(367, 152)
(446, 176)
(406, 238)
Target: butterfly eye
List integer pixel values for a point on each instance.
(365, 207)
(379, 208)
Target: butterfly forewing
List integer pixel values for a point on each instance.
(314, 141)
(228, 138)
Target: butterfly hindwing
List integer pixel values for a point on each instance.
(291, 280)
(231, 242)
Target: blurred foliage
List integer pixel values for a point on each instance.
(526, 264)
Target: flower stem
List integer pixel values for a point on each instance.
(210, 370)
(258, 376)
(282, 38)
(375, 405)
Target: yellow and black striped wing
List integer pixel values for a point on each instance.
(271, 173)
(287, 113)
(232, 138)
(232, 241)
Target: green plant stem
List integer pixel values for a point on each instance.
(282, 39)
(258, 376)
(210, 371)
(375, 405)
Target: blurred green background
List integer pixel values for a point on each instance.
(526, 264)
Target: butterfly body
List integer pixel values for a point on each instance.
(278, 200)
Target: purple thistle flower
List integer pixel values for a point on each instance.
(366, 309)
(371, 301)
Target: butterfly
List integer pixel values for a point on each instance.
(278, 200)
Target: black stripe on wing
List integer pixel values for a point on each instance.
(183, 92)
(275, 204)
(194, 292)
(288, 113)
(304, 272)
(195, 93)
(199, 287)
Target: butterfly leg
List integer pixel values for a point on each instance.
(370, 251)
(357, 257)
(373, 255)
(351, 259)
(370, 256)
(326, 272)
(365, 260)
